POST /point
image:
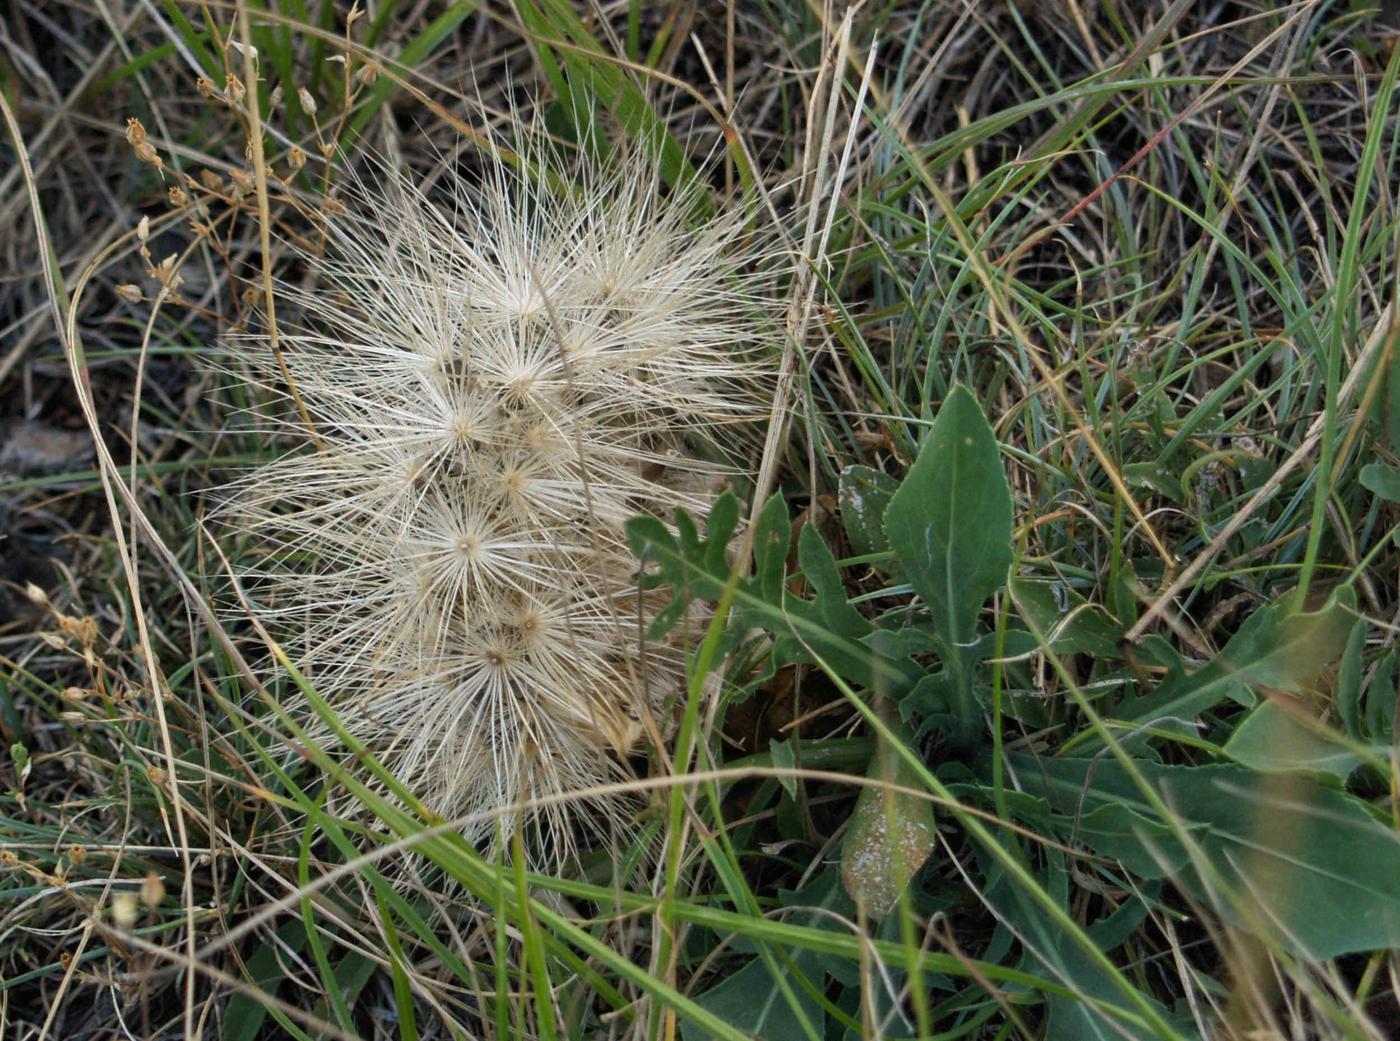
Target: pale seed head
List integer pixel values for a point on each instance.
(497, 384)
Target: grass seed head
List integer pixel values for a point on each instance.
(498, 381)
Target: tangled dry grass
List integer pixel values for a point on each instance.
(1128, 227)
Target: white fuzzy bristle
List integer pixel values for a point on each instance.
(497, 383)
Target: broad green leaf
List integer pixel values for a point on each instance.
(1348, 689)
(1154, 477)
(1305, 864)
(950, 528)
(1072, 624)
(865, 495)
(1271, 739)
(890, 835)
(1380, 700)
(1142, 844)
(1286, 652)
(771, 543)
(950, 522)
(751, 1000)
(1381, 479)
(1270, 649)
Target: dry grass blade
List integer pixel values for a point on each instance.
(154, 678)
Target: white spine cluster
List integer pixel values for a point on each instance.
(497, 384)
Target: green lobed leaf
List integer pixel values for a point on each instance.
(829, 624)
(830, 608)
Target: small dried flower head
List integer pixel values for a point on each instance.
(497, 384)
(136, 138)
(152, 891)
(125, 910)
(166, 274)
(307, 102)
(236, 90)
(242, 183)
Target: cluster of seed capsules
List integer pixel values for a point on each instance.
(497, 379)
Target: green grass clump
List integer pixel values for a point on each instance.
(1049, 685)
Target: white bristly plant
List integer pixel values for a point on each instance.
(497, 378)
